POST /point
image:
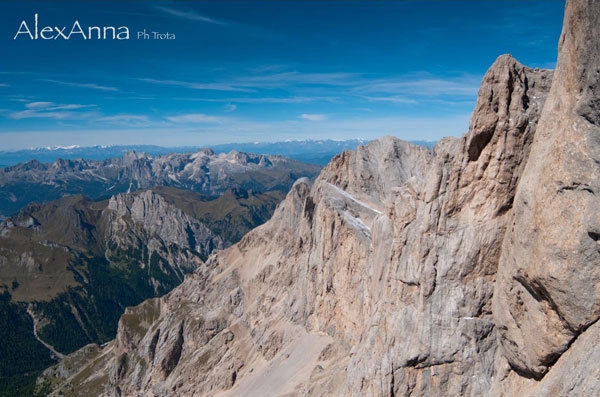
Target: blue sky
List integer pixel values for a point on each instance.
(245, 71)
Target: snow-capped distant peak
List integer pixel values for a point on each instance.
(70, 147)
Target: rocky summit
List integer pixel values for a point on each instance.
(469, 270)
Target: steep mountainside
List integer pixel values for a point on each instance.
(469, 271)
(73, 265)
(204, 172)
(76, 264)
(231, 215)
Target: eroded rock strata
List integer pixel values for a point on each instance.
(472, 270)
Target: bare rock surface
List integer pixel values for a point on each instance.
(164, 223)
(547, 290)
(469, 270)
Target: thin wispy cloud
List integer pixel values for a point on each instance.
(191, 15)
(141, 98)
(230, 107)
(112, 12)
(423, 87)
(268, 68)
(51, 110)
(256, 32)
(392, 99)
(81, 85)
(39, 105)
(21, 98)
(4, 85)
(312, 87)
(193, 118)
(313, 117)
(263, 100)
(284, 79)
(198, 86)
(51, 106)
(125, 119)
(57, 115)
(72, 112)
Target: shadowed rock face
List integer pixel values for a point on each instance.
(468, 271)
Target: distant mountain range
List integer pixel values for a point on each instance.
(203, 171)
(309, 151)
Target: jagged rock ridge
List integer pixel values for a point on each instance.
(204, 171)
(471, 271)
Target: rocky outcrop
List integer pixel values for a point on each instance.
(164, 224)
(547, 290)
(467, 271)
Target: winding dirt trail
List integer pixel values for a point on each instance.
(48, 346)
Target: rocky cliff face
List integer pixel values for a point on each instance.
(467, 271)
(163, 224)
(547, 290)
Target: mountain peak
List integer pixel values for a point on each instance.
(578, 66)
(205, 152)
